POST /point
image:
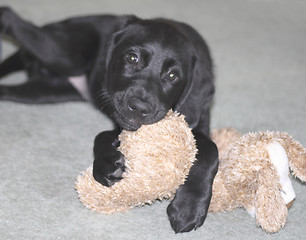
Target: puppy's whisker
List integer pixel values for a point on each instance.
(101, 94)
(105, 103)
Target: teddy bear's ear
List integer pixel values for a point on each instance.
(271, 210)
(296, 155)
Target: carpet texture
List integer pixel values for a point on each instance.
(259, 48)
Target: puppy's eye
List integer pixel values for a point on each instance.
(172, 75)
(132, 58)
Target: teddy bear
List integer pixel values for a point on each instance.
(254, 174)
(253, 171)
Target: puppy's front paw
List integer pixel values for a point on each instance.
(108, 165)
(187, 211)
(109, 169)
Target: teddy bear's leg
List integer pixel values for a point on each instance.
(271, 210)
(279, 159)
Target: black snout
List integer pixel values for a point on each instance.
(139, 107)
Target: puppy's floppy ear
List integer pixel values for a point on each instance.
(118, 31)
(113, 34)
(198, 93)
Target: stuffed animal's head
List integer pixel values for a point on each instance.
(157, 157)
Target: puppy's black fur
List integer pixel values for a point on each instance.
(136, 71)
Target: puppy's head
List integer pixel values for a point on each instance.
(147, 69)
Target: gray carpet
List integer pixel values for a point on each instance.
(259, 49)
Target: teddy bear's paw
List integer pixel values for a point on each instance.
(186, 213)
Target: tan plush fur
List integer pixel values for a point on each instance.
(158, 159)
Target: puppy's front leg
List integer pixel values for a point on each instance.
(189, 207)
(108, 165)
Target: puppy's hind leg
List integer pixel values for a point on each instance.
(40, 42)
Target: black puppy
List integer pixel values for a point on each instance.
(135, 71)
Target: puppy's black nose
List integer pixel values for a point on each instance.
(140, 107)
